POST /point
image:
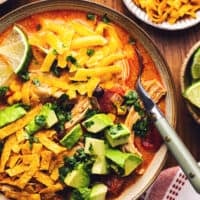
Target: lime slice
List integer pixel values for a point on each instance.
(195, 68)
(16, 50)
(5, 71)
(192, 93)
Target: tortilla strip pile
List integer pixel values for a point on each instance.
(29, 170)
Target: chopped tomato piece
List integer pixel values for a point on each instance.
(152, 140)
(115, 185)
(105, 102)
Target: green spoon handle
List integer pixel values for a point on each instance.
(177, 148)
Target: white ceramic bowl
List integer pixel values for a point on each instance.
(136, 189)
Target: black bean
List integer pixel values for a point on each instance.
(98, 92)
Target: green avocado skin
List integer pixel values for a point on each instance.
(11, 114)
(71, 138)
(127, 161)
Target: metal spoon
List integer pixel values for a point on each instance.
(173, 142)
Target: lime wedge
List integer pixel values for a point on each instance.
(192, 93)
(195, 68)
(5, 71)
(16, 50)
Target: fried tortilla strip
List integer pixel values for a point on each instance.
(7, 151)
(22, 195)
(37, 148)
(21, 136)
(27, 159)
(19, 124)
(53, 188)
(43, 178)
(55, 173)
(154, 89)
(18, 169)
(49, 144)
(26, 176)
(46, 157)
(13, 160)
(16, 147)
(25, 148)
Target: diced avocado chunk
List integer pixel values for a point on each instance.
(78, 177)
(127, 161)
(100, 166)
(50, 115)
(46, 118)
(98, 192)
(80, 194)
(117, 134)
(96, 147)
(11, 114)
(71, 138)
(97, 123)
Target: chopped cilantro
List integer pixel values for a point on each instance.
(89, 124)
(113, 130)
(105, 19)
(63, 171)
(90, 112)
(56, 70)
(90, 52)
(32, 139)
(132, 99)
(81, 194)
(91, 149)
(71, 59)
(62, 107)
(141, 127)
(90, 16)
(3, 90)
(36, 82)
(70, 163)
(40, 120)
(54, 51)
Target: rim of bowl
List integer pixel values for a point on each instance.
(183, 78)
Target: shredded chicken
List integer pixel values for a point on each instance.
(131, 119)
(78, 112)
(126, 68)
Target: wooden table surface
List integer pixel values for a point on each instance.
(174, 47)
